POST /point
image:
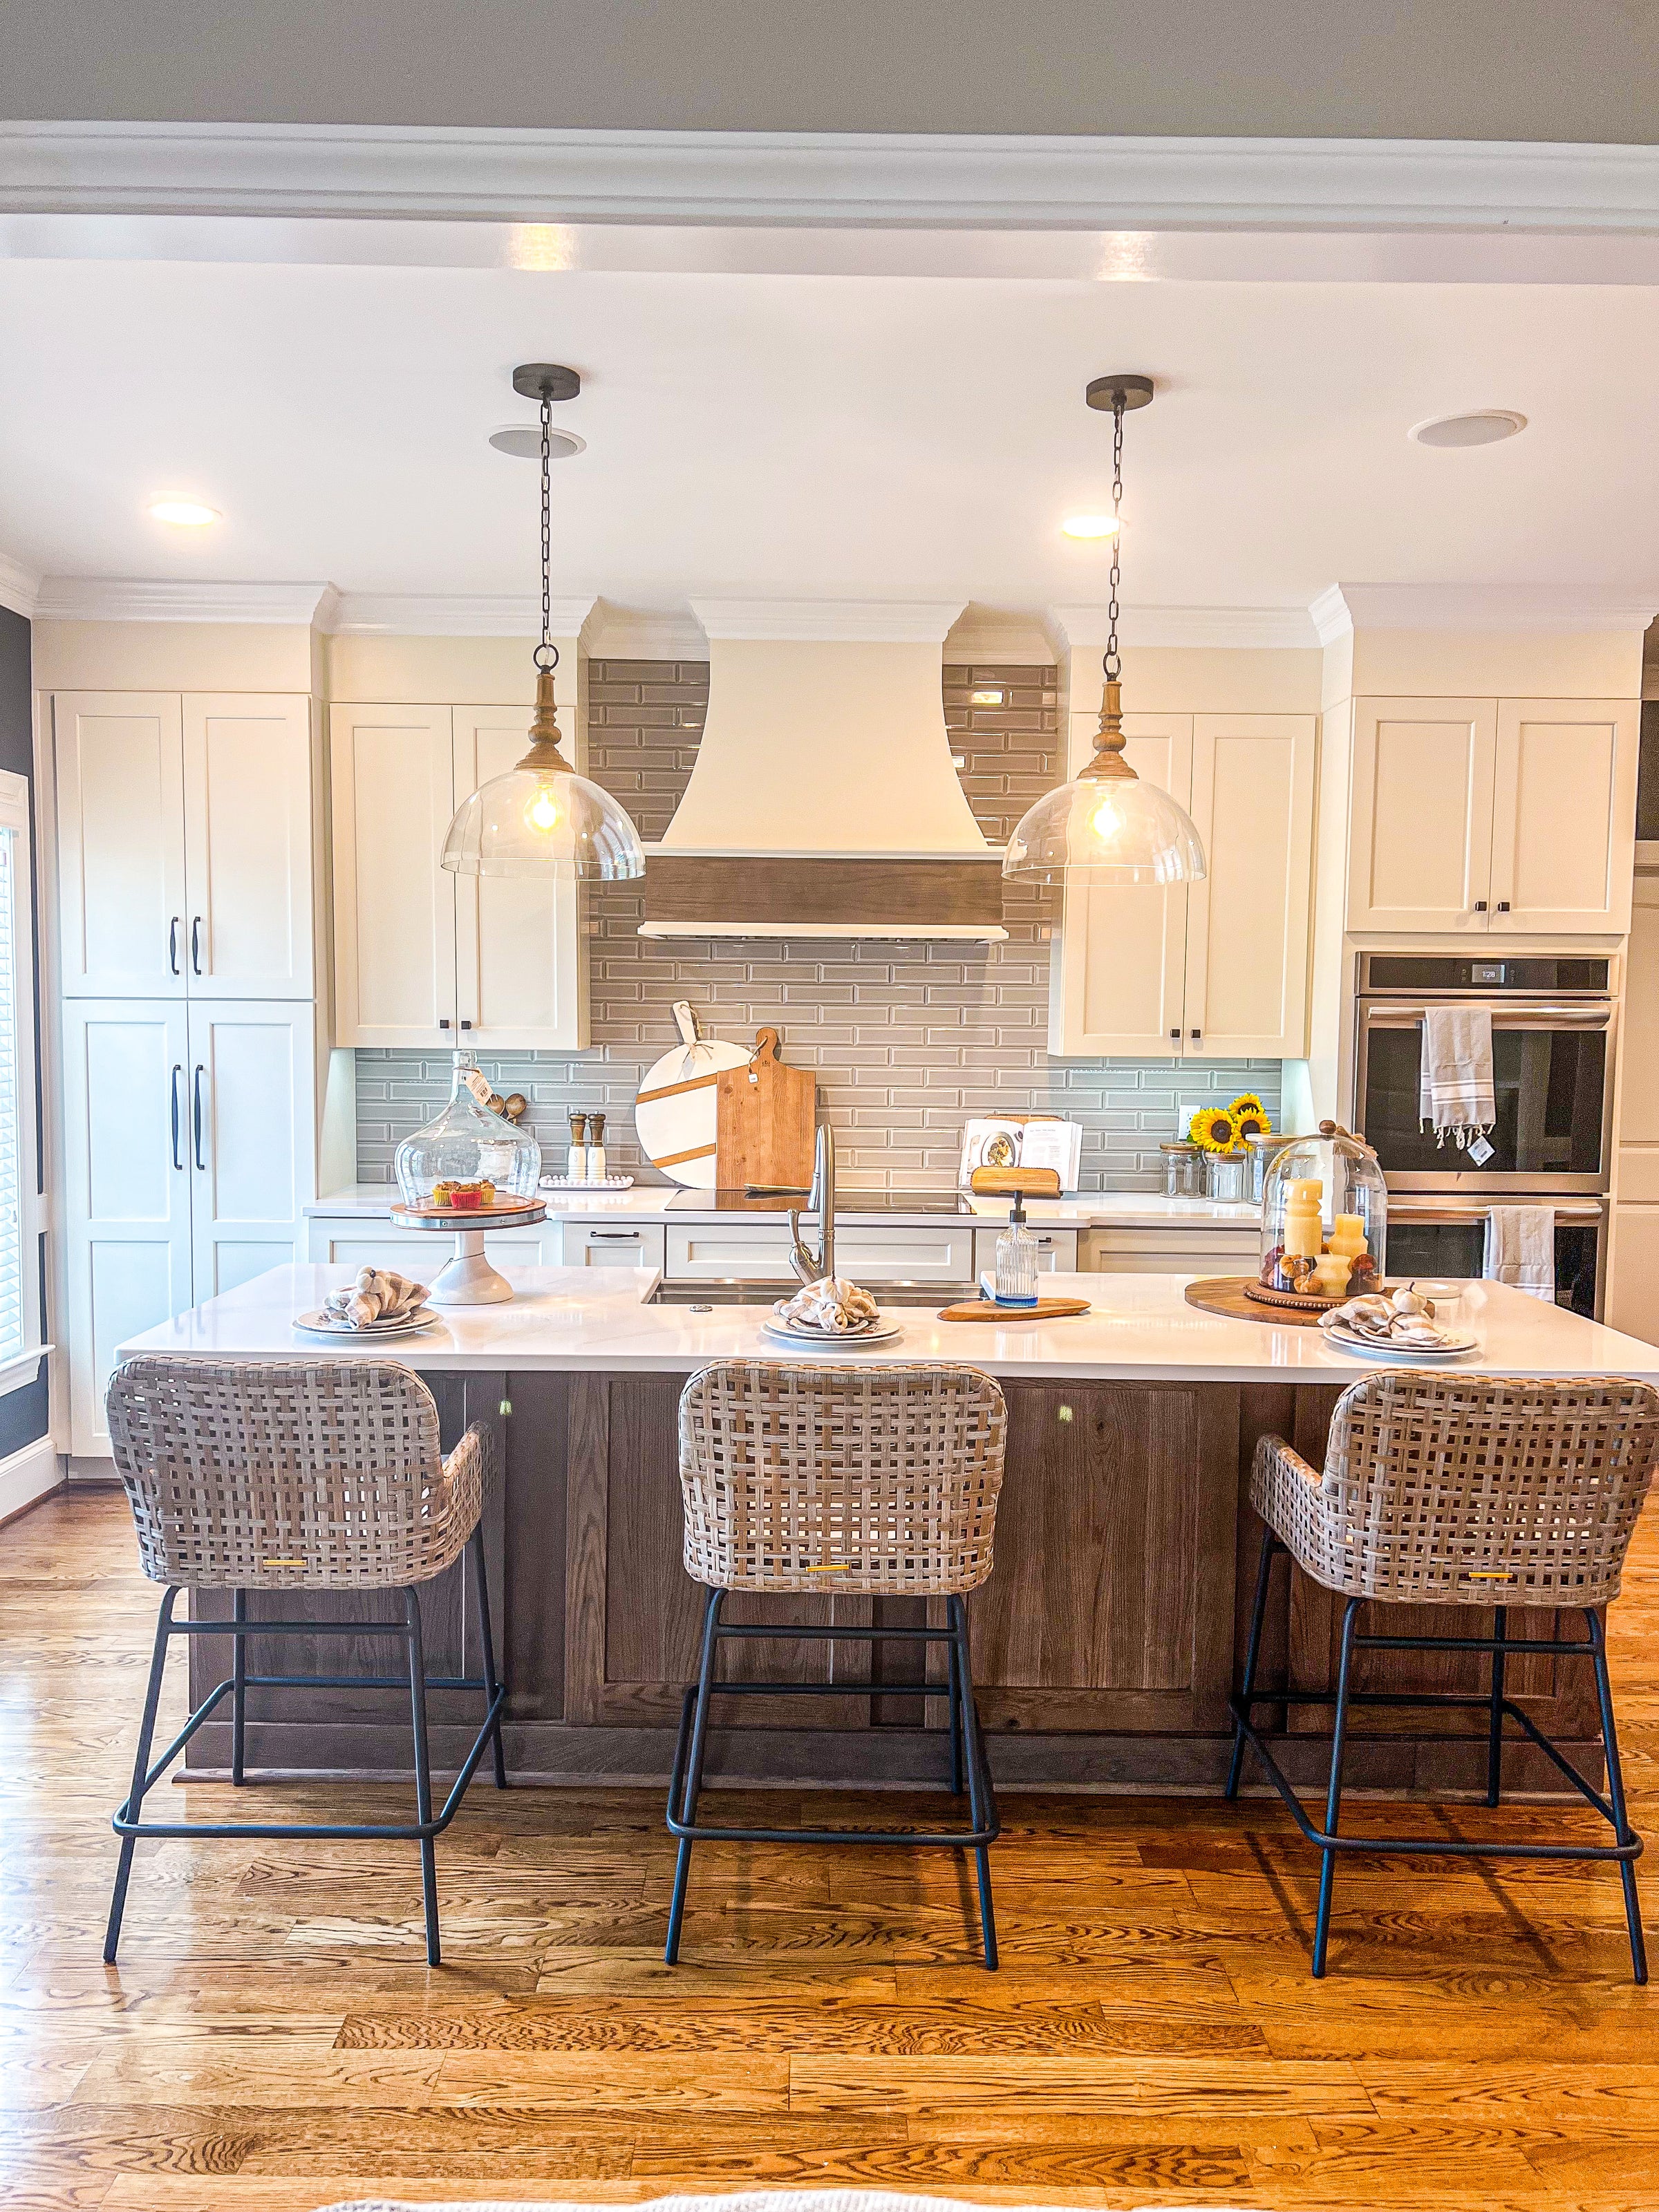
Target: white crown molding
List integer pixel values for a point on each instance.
(1555, 607)
(1084, 630)
(375, 614)
(834, 178)
(626, 634)
(114, 598)
(835, 622)
(1013, 641)
(20, 587)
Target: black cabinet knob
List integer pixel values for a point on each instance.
(443, 1021)
(1503, 906)
(1196, 1034)
(1480, 906)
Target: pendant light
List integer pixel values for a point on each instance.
(543, 818)
(1106, 826)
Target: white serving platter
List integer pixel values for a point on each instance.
(319, 1324)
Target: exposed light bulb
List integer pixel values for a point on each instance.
(1105, 821)
(543, 811)
(1089, 526)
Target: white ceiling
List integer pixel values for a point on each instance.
(821, 437)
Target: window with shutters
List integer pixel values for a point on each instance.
(20, 1276)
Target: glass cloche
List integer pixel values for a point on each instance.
(469, 1157)
(1324, 1216)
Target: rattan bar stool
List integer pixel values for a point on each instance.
(303, 1475)
(877, 1480)
(1442, 1489)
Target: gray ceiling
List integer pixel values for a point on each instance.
(1473, 69)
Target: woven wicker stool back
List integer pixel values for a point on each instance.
(1444, 1488)
(320, 1475)
(883, 1479)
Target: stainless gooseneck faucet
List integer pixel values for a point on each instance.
(821, 1200)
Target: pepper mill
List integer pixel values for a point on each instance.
(596, 1148)
(577, 1170)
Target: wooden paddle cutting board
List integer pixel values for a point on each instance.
(766, 1121)
(1044, 1310)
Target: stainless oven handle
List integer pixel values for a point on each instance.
(1432, 1213)
(1395, 1017)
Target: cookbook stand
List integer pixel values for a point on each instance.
(468, 1279)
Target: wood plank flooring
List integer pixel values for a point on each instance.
(272, 2040)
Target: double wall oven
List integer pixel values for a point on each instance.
(1552, 1031)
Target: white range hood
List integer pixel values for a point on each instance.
(824, 802)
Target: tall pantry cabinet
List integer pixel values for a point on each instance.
(188, 951)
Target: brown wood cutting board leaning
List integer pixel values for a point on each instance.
(1044, 1310)
(765, 1122)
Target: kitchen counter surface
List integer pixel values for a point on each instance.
(1088, 1209)
(584, 1320)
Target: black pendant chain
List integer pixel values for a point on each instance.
(547, 647)
(1110, 661)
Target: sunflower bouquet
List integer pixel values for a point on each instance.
(1225, 1128)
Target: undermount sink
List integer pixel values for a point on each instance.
(732, 1291)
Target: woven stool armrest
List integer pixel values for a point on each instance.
(1282, 1483)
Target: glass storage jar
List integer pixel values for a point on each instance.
(468, 1150)
(1183, 1170)
(1324, 1216)
(1227, 1177)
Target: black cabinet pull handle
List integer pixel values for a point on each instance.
(196, 944)
(197, 1114)
(1503, 906)
(465, 1025)
(173, 944)
(178, 1070)
(1480, 906)
(1196, 1034)
(1176, 1033)
(443, 1021)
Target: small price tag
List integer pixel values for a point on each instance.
(1480, 1151)
(479, 1084)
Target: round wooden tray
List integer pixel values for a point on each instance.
(1263, 1294)
(1225, 1294)
(521, 1212)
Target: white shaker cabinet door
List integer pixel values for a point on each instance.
(1564, 815)
(126, 1188)
(521, 967)
(1421, 851)
(252, 1128)
(393, 788)
(247, 845)
(123, 917)
(1247, 920)
(1119, 957)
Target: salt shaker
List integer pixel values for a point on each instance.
(577, 1170)
(596, 1148)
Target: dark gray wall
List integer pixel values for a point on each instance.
(23, 1415)
(1429, 68)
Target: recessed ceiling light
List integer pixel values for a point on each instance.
(187, 513)
(524, 441)
(1484, 428)
(1089, 525)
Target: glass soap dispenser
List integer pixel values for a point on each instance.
(1017, 1259)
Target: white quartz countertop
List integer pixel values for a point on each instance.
(1088, 1209)
(1139, 1327)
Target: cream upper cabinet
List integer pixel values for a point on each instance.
(521, 978)
(1218, 967)
(1117, 976)
(1420, 831)
(122, 913)
(392, 773)
(1564, 815)
(1247, 921)
(422, 956)
(248, 848)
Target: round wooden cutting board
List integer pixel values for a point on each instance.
(1225, 1294)
(674, 1114)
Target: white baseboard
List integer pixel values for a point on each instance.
(28, 1475)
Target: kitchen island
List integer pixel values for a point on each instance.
(1105, 1642)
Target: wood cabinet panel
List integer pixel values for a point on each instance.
(247, 846)
(1420, 832)
(1247, 920)
(392, 782)
(1563, 825)
(120, 798)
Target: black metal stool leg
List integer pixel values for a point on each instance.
(1495, 1728)
(1622, 1830)
(955, 1718)
(1333, 1793)
(423, 1771)
(979, 1791)
(140, 1774)
(687, 1809)
(488, 1642)
(1252, 1652)
(239, 1691)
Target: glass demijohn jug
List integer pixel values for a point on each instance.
(469, 1158)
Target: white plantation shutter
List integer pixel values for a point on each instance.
(15, 1291)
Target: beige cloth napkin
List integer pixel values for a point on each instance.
(1521, 1250)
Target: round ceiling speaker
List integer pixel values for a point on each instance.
(1485, 427)
(524, 441)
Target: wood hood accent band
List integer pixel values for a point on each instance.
(863, 893)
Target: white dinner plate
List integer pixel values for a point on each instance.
(1412, 1354)
(823, 1339)
(327, 1324)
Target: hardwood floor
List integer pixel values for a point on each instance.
(272, 2040)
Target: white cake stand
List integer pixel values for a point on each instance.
(468, 1279)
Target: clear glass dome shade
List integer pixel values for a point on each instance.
(1106, 829)
(535, 821)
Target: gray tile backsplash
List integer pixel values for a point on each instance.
(907, 1040)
